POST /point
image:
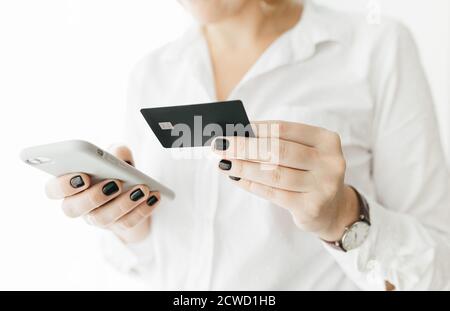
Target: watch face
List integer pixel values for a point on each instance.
(355, 235)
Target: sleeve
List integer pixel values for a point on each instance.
(409, 239)
(133, 258)
(127, 258)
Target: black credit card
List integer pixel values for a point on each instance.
(197, 125)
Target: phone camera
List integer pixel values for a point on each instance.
(100, 152)
(38, 161)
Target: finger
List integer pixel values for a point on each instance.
(270, 175)
(268, 150)
(99, 194)
(67, 185)
(140, 213)
(113, 210)
(296, 132)
(123, 153)
(278, 197)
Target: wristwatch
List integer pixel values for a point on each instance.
(355, 234)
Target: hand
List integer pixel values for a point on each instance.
(104, 204)
(302, 169)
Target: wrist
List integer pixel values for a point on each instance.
(347, 213)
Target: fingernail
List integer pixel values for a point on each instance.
(77, 182)
(152, 200)
(221, 144)
(225, 165)
(234, 178)
(110, 188)
(136, 195)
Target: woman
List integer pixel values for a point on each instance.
(357, 197)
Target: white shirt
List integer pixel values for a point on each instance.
(332, 70)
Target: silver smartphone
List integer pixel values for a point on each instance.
(77, 156)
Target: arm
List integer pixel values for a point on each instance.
(132, 250)
(409, 242)
(303, 171)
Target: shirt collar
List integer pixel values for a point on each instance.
(317, 25)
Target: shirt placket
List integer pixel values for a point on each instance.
(207, 178)
(206, 187)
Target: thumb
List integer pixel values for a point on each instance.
(122, 152)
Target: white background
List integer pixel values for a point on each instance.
(63, 72)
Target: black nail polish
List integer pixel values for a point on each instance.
(136, 195)
(225, 165)
(77, 182)
(234, 178)
(152, 200)
(221, 144)
(110, 188)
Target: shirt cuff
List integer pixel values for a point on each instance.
(396, 250)
(126, 257)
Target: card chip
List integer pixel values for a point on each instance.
(166, 125)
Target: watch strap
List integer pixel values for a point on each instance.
(363, 207)
(364, 215)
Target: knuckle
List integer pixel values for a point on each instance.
(326, 135)
(334, 138)
(294, 183)
(282, 128)
(94, 198)
(341, 165)
(69, 209)
(239, 166)
(269, 192)
(127, 222)
(275, 175)
(240, 149)
(252, 187)
(337, 138)
(282, 150)
(123, 208)
(313, 154)
(100, 220)
(311, 157)
(144, 211)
